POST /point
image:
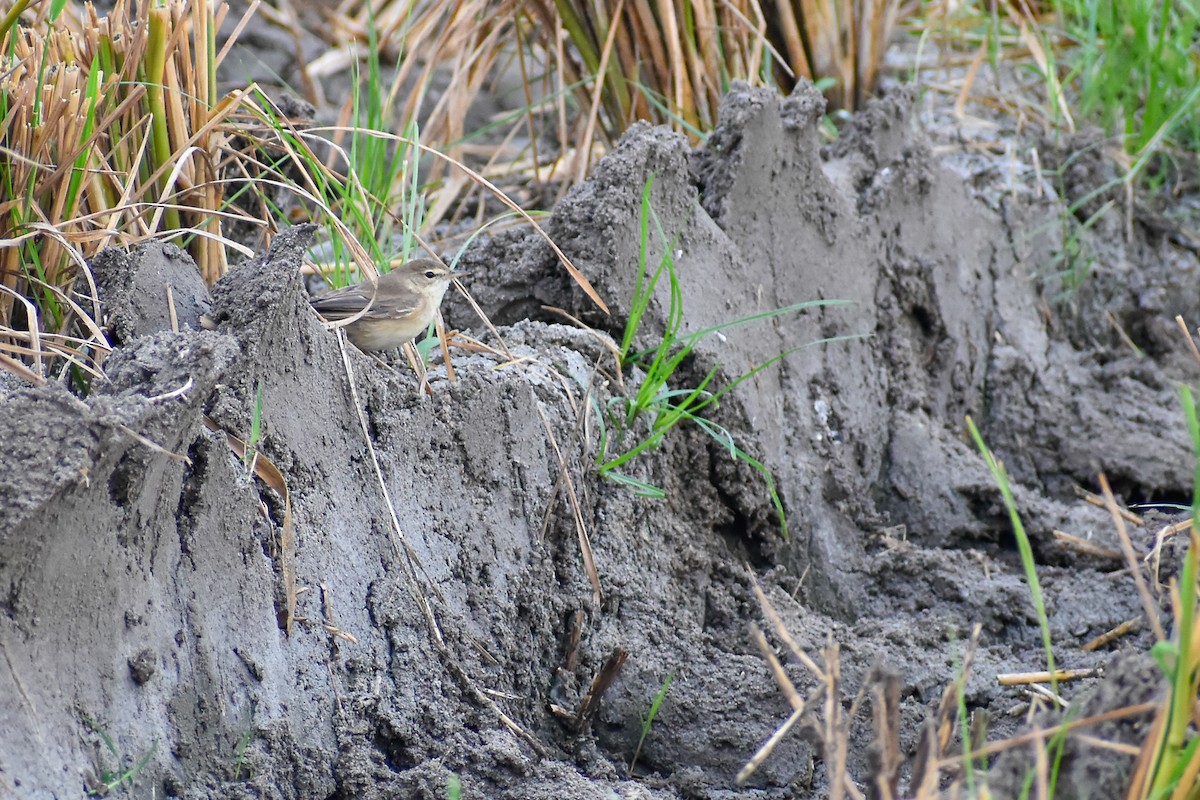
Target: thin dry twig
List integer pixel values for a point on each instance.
(994, 748)
(833, 727)
(939, 729)
(1099, 502)
(1149, 607)
(781, 679)
(782, 632)
(1058, 676)
(1086, 547)
(885, 749)
(1112, 635)
(585, 543)
(412, 568)
(589, 705)
(763, 752)
(1195, 351)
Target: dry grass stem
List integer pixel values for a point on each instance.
(589, 705)
(939, 729)
(777, 672)
(1112, 635)
(1192, 348)
(995, 748)
(418, 578)
(1040, 696)
(1149, 606)
(884, 753)
(112, 134)
(153, 446)
(1098, 501)
(585, 543)
(1058, 676)
(768, 747)
(1086, 547)
(1104, 744)
(833, 725)
(782, 632)
(1154, 557)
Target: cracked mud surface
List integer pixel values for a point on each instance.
(144, 593)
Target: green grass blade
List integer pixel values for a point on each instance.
(648, 722)
(1000, 475)
(639, 488)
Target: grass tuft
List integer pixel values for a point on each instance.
(112, 135)
(1169, 762)
(126, 770)
(655, 401)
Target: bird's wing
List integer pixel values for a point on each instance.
(342, 303)
(349, 301)
(394, 311)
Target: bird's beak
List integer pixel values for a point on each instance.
(459, 275)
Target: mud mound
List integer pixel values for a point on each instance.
(444, 609)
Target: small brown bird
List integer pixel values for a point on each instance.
(399, 305)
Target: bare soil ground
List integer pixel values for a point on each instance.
(143, 593)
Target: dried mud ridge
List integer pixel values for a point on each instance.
(144, 593)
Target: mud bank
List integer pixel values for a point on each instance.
(443, 605)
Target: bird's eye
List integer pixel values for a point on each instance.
(430, 274)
